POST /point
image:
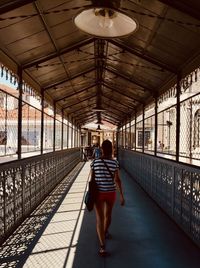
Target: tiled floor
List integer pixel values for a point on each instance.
(143, 236)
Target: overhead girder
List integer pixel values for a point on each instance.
(58, 54)
(113, 91)
(84, 114)
(68, 79)
(81, 108)
(99, 48)
(121, 93)
(111, 116)
(11, 5)
(183, 7)
(111, 120)
(50, 35)
(131, 80)
(115, 123)
(143, 56)
(114, 107)
(77, 92)
(88, 119)
(90, 97)
(117, 101)
(114, 111)
(90, 106)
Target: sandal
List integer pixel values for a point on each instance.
(102, 251)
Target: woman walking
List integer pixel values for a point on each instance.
(106, 171)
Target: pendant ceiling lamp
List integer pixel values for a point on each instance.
(105, 20)
(98, 128)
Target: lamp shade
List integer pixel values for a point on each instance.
(104, 22)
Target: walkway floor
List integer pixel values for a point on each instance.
(143, 236)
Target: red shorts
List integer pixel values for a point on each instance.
(107, 196)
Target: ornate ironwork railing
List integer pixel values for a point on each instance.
(25, 183)
(174, 186)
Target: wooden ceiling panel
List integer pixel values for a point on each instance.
(78, 71)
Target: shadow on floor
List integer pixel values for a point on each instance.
(17, 248)
(143, 237)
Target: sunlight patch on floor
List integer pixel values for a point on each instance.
(57, 245)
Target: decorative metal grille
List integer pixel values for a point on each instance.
(175, 187)
(25, 183)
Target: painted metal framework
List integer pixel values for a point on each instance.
(26, 129)
(168, 127)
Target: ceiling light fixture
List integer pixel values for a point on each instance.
(98, 128)
(105, 22)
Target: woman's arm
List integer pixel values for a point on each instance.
(119, 186)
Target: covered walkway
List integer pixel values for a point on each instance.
(61, 233)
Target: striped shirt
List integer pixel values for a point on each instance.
(103, 178)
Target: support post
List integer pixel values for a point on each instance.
(54, 126)
(178, 89)
(20, 84)
(42, 123)
(135, 129)
(143, 129)
(62, 130)
(156, 126)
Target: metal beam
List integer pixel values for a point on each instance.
(65, 107)
(58, 54)
(111, 116)
(69, 79)
(113, 110)
(118, 103)
(113, 122)
(76, 113)
(114, 107)
(74, 94)
(133, 81)
(142, 56)
(11, 5)
(84, 114)
(121, 93)
(188, 8)
(89, 119)
(77, 110)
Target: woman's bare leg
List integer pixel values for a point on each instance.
(99, 209)
(108, 216)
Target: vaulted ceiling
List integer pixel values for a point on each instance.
(80, 72)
